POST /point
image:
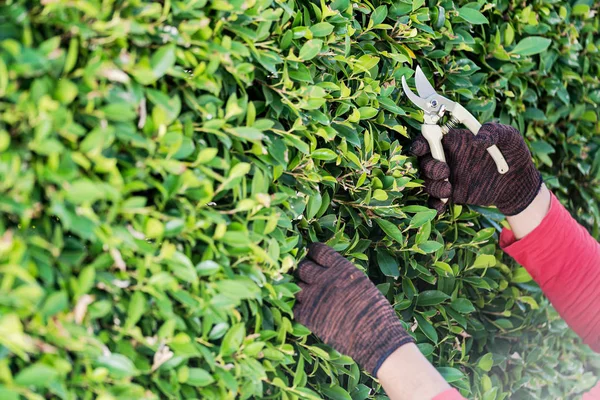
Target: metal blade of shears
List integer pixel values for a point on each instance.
(424, 88)
(419, 102)
(428, 100)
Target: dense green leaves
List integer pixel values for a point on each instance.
(164, 164)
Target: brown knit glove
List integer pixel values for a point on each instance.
(340, 305)
(472, 173)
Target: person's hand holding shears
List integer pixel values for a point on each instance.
(483, 165)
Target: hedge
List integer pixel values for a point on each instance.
(164, 164)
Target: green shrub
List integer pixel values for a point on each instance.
(163, 165)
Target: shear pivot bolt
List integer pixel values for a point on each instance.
(434, 103)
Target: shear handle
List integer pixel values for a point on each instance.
(433, 134)
(467, 119)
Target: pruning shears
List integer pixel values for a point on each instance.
(435, 107)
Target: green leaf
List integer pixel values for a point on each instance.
(162, 60)
(310, 49)
(421, 218)
(321, 29)
(365, 63)
(444, 268)
(427, 329)
(390, 106)
(166, 106)
(426, 348)
(367, 112)
(531, 45)
(137, 307)
(55, 303)
(37, 375)
(117, 365)
(66, 91)
(380, 195)
(463, 306)
(387, 263)
(486, 362)
(431, 298)
(335, 392)
(378, 15)
(484, 234)
(473, 16)
(313, 205)
(484, 261)
(239, 170)
(451, 374)
(199, 377)
(300, 375)
(86, 280)
(119, 111)
(542, 147)
(85, 191)
(581, 9)
(416, 4)
(248, 133)
(491, 394)
(207, 268)
(72, 53)
(529, 300)
(360, 392)
(9, 394)
(521, 276)
(237, 290)
(430, 246)
(391, 230)
(324, 154)
(182, 268)
(154, 228)
(509, 35)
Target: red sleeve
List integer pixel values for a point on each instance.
(593, 394)
(451, 394)
(564, 259)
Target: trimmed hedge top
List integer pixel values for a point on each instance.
(163, 164)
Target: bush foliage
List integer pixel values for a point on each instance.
(163, 165)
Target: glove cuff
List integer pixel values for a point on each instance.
(392, 348)
(526, 192)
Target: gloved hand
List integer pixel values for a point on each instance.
(472, 173)
(340, 305)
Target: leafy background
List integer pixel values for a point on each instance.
(163, 165)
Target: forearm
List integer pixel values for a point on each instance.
(563, 258)
(408, 375)
(526, 221)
